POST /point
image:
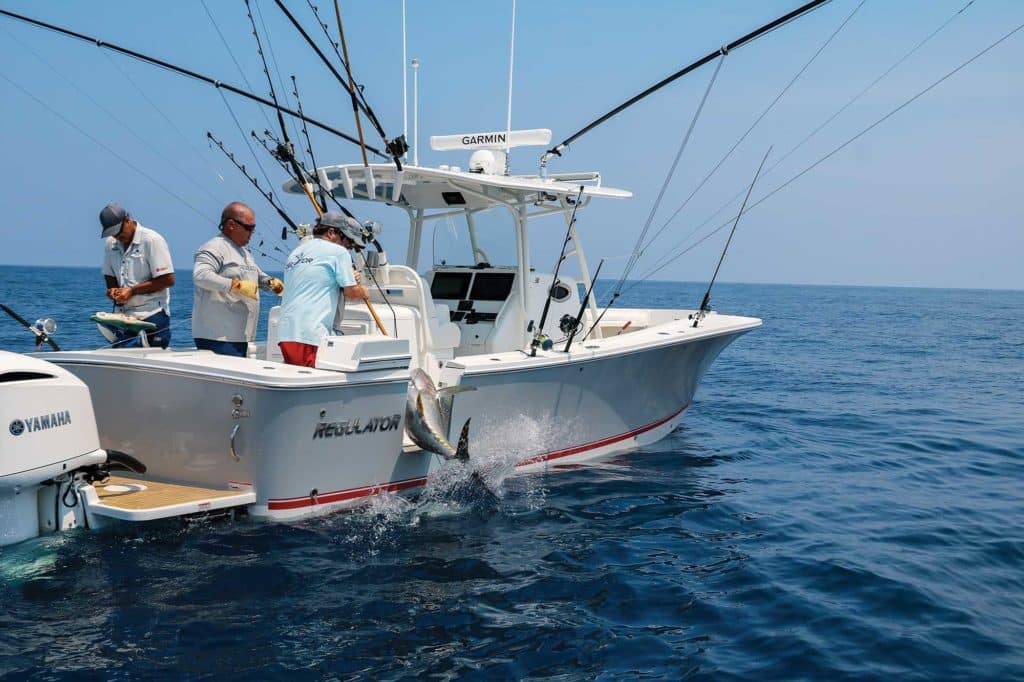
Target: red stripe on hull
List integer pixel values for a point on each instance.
(395, 486)
(558, 454)
(343, 495)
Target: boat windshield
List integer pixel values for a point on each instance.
(491, 240)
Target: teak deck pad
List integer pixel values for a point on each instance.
(157, 494)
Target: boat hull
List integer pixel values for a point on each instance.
(589, 407)
(310, 441)
(302, 449)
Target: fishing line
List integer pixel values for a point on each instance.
(142, 93)
(640, 248)
(285, 151)
(178, 70)
(309, 150)
(395, 147)
(843, 145)
(273, 60)
(100, 144)
(759, 118)
(109, 113)
(705, 304)
(736, 44)
(267, 194)
(244, 139)
(238, 66)
(831, 118)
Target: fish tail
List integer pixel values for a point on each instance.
(462, 450)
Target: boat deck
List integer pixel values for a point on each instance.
(135, 499)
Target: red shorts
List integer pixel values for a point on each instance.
(296, 353)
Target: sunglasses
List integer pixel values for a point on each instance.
(248, 227)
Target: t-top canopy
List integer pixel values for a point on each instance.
(439, 188)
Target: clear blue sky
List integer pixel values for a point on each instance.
(929, 198)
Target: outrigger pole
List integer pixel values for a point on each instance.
(186, 72)
(739, 42)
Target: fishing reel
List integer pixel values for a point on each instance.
(568, 324)
(398, 146)
(371, 229)
(543, 341)
(284, 152)
(43, 329)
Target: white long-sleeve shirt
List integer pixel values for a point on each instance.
(218, 313)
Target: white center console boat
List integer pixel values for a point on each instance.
(556, 379)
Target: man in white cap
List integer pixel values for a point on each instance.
(227, 280)
(315, 272)
(138, 272)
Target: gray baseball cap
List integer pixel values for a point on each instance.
(111, 218)
(349, 227)
(332, 219)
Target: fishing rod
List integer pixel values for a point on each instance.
(267, 194)
(583, 306)
(705, 304)
(285, 151)
(677, 251)
(184, 72)
(367, 233)
(309, 148)
(396, 147)
(351, 81)
(306, 172)
(41, 329)
(739, 42)
(554, 279)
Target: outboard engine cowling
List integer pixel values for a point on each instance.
(47, 432)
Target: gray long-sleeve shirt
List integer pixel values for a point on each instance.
(218, 313)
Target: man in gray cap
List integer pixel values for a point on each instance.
(315, 272)
(139, 274)
(227, 280)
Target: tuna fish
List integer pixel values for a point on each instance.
(428, 417)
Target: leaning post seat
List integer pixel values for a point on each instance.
(405, 289)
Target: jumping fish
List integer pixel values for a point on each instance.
(427, 420)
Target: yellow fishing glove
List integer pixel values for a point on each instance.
(276, 285)
(244, 288)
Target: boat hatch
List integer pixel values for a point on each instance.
(136, 499)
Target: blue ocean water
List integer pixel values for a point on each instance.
(843, 500)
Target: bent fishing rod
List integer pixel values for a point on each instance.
(185, 72)
(725, 49)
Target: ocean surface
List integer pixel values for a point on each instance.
(843, 500)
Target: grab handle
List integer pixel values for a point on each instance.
(234, 454)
